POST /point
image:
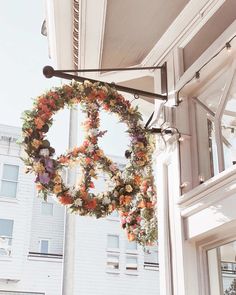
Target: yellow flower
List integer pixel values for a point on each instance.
(36, 143)
(57, 179)
(38, 167)
(57, 189)
(112, 103)
(128, 188)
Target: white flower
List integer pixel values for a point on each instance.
(78, 202)
(44, 152)
(106, 201)
(93, 131)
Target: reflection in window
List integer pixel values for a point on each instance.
(6, 229)
(228, 126)
(131, 263)
(112, 262)
(222, 264)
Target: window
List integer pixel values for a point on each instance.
(151, 261)
(131, 246)
(114, 214)
(113, 242)
(44, 246)
(113, 262)
(131, 263)
(9, 180)
(222, 269)
(6, 229)
(47, 209)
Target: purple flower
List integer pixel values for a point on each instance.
(44, 178)
(49, 165)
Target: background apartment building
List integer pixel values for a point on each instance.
(31, 241)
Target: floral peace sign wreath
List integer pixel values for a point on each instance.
(133, 194)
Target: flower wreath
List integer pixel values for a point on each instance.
(133, 194)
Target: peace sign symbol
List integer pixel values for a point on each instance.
(133, 193)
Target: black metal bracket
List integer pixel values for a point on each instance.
(49, 72)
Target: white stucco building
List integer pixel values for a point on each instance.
(32, 234)
(195, 164)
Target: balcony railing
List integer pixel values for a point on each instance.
(5, 246)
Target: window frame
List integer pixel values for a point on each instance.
(115, 270)
(7, 180)
(9, 239)
(111, 249)
(133, 271)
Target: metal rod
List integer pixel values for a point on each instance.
(111, 69)
(49, 72)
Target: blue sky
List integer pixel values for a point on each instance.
(23, 54)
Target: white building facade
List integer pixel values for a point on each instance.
(32, 239)
(195, 163)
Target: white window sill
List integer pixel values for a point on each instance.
(5, 258)
(132, 252)
(113, 271)
(43, 259)
(113, 250)
(132, 272)
(9, 200)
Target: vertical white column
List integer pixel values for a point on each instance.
(70, 219)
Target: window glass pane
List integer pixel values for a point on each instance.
(10, 172)
(47, 209)
(112, 261)
(8, 189)
(131, 263)
(228, 126)
(6, 227)
(131, 245)
(113, 241)
(114, 214)
(44, 246)
(222, 269)
(151, 255)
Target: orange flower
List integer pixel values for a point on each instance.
(128, 200)
(75, 151)
(36, 143)
(100, 153)
(142, 204)
(125, 200)
(137, 179)
(57, 189)
(91, 204)
(65, 199)
(63, 160)
(38, 123)
(131, 237)
(39, 187)
(88, 161)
